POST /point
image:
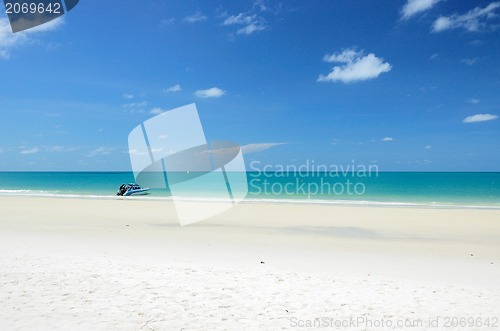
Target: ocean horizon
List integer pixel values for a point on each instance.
(436, 189)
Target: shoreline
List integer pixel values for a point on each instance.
(334, 225)
(348, 203)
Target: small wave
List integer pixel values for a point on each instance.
(15, 191)
(49, 194)
(373, 203)
(69, 195)
(366, 203)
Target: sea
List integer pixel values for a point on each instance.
(434, 189)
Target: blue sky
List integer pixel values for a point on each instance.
(407, 85)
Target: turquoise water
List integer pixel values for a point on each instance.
(406, 188)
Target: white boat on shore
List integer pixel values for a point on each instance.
(131, 189)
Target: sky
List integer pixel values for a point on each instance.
(410, 85)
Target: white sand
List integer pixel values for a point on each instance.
(75, 264)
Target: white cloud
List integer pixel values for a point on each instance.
(428, 147)
(469, 61)
(441, 24)
(156, 150)
(4, 54)
(251, 28)
(260, 5)
(173, 89)
(9, 40)
(254, 148)
(387, 139)
(196, 17)
(241, 18)
(473, 101)
(136, 107)
(474, 20)
(167, 21)
(128, 96)
(135, 152)
(251, 23)
(347, 55)
(156, 111)
(33, 150)
(136, 104)
(60, 149)
(99, 151)
(480, 118)
(213, 92)
(413, 7)
(355, 67)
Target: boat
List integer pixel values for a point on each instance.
(131, 189)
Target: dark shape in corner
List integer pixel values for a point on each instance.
(25, 15)
(70, 4)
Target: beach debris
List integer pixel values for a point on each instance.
(471, 254)
(262, 262)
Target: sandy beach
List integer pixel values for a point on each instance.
(126, 264)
